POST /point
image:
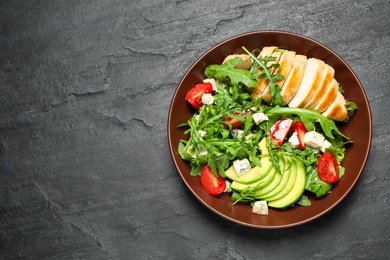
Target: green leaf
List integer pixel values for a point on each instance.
(304, 201)
(309, 117)
(275, 90)
(351, 107)
(227, 72)
(315, 185)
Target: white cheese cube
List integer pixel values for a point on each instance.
(248, 136)
(227, 185)
(293, 140)
(191, 151)
(325, 146)
(202, 133)
(241, 166)
(259, 117)
(260, 207)
(207, 99)
(314, 139)
(203, 152)
(196, 117)
(213, 83)
(237, 133)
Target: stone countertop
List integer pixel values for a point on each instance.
(85, 88)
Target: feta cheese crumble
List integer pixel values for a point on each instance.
(213, 83)
(314, 139)
(202, 133)
(237, 133)
(259, 117)
(207, 99)
(241, 166)
(260, 207)
(227, 185)
(293, 140)
(325, 146)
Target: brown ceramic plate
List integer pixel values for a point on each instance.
(358, 129)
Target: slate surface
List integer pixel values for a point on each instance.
(85, 170)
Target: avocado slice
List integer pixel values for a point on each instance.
(290, 183)
(256, 173)
(297, 190)
(263, 182)
(259, 193)
(275, 182)
(286, 173)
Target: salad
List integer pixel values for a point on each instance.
(263, 153)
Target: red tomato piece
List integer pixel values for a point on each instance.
(194, 95)
(328, 168)
(235, 123)
(280, 130)
(210, 183)
(300, 129)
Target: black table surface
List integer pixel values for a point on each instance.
(85, 89)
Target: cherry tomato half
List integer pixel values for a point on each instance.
(280, 130)
(194, 95)
(210, 183)
(328, 168)
(234, 122)
(300, 129)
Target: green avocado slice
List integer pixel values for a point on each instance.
(263, 182)
(259, 193)
(256, 173)
(280, 191)
(297, 190)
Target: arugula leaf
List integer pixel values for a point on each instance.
(275, 89)
(309, 118)
(226, 71)
(351, 107)
(304, 201)
(315, 185)
(246, 195)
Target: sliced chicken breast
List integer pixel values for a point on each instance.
(286, 62)
(322, 88)
(244, 65)
(329, 96)
(293, 79)
(337, 110)
(313, 74)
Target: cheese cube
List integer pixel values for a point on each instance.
(249, 136)
(202, 133)
(207, 99)
(259, 117)
(213, 83)
(237, 133)
(241, 166)
(191, 151)
(260, 207)
(314, 139)
(293, 140)
(325, 146)
(227, 185)
(202, 152)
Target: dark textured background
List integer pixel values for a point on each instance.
(85, 170)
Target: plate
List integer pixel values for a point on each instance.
(358, 129)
